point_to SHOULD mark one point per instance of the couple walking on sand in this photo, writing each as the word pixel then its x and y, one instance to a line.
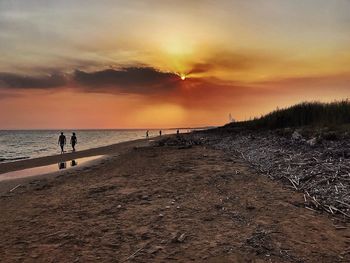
pixel 62 141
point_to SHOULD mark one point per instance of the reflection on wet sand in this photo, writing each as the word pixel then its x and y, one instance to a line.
pixel 62 165
pixel 45 169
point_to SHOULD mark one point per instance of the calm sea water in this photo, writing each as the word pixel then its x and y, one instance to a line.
pixel 17 145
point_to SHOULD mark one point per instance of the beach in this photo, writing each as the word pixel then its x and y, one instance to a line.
pixel 106 151
pixel 148 203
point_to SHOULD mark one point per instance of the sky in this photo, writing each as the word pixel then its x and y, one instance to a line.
pixel 161 63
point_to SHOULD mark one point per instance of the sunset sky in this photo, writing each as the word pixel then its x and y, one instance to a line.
pixel 163 63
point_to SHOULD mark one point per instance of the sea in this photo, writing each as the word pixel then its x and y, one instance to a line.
pixel 26 144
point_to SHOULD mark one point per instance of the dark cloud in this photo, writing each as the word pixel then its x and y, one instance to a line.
pixel 15 81
pixel 233 61
pixel 136 80
pixel 127 80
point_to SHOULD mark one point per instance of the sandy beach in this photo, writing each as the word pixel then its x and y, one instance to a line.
pixel 106 152
pixel 163 204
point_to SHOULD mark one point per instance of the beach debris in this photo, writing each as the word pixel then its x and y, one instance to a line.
pixel 318 168
pixel 178 237
pixel 182 142
pixel 14 188
pixel 133 255
pixel 181 238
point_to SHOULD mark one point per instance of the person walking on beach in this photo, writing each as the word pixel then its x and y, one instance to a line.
pixel 147 134
pixel 160 133
pixel 62 142
pixel 73 141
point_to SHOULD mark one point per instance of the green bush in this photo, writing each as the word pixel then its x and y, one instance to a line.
pixel 303 114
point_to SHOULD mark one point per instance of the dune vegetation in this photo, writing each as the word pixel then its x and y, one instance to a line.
pixel 315 114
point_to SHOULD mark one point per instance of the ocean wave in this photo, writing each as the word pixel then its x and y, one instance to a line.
pixel 13 159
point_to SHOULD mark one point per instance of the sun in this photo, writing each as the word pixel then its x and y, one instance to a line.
pixel 182 76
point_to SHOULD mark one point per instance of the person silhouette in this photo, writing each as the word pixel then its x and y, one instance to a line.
pixel 147 134
pixel 73 141
pixel 160 133
pixel 62 142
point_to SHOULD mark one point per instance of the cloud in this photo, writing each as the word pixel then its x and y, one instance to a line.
pixel 328 80
pixel 234 61
pixel 130 80
pixel 144 80
pixel 320 84
pixel 15 81
pixel 205 94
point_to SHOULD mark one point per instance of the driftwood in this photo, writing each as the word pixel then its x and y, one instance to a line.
pixel 14 188
pixel 135 253
pixel 321 171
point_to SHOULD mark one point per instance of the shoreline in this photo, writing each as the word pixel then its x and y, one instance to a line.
pixel 41 143
pixel 52 159
pixel 106 152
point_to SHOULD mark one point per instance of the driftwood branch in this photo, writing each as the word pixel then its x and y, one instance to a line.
pixel 14 188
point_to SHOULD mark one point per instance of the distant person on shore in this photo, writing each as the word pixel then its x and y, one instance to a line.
pixel 62 142
pixel 147 134
pixel 73 141
pixel 160 133
pixel 177 132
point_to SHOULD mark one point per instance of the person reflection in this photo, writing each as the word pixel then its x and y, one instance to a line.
pixel 73 163
pixel 62 165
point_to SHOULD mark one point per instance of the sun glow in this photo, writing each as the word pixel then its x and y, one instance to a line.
pixel 183 77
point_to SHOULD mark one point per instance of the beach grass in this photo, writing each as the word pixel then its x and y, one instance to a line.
pixel 315 114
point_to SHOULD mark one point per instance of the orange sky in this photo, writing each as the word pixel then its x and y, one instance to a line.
pixel 118 64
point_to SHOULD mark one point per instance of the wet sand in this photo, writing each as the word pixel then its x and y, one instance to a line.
pixel 107 151
pixel 165 204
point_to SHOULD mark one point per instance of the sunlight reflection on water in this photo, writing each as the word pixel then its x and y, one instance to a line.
pixel 46 169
